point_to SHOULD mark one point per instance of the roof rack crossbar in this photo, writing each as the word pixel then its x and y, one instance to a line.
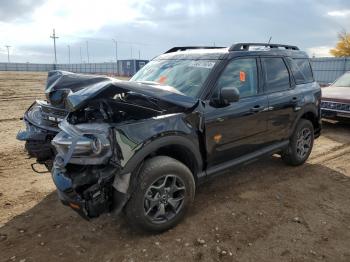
pixel 245 46
pixel 183 48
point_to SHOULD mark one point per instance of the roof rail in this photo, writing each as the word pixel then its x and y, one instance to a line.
pixel 183 48
pixel 245 46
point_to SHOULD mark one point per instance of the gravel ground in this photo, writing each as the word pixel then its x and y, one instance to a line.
pixel 264 211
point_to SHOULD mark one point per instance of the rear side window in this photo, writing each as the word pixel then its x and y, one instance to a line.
pixel 298 75
pixel 276 74
pixel 305 68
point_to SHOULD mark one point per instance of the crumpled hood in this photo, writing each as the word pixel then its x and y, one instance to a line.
pixel 76 90
pixel 336 93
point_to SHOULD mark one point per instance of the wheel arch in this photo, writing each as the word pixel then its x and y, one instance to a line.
pixel 309 113
pixel 179 147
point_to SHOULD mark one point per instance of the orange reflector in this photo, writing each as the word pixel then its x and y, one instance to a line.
pixel 217 138
pixel 242 76
pixel 75 206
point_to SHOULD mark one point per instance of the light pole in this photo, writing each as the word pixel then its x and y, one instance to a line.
pixel 68 54
pixel 116 50
pixel 81 57
pixel 87 52
pixel 8 53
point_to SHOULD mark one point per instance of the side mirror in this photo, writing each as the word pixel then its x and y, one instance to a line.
pixel 229 95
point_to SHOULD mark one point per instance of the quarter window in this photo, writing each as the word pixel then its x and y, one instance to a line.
pixel 305 68
pixel 276 74
pixel 242 74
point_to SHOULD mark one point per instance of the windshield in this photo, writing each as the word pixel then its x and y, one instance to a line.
pixel 186 76
pixel 344 80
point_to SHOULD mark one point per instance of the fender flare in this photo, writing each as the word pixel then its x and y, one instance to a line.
pixel 306 109
pixel 158 143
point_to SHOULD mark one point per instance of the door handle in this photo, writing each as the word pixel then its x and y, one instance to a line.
pixel 257 108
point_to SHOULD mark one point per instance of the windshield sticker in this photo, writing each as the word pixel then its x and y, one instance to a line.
pixel 242 76
pixel 202 64
pixel 162 80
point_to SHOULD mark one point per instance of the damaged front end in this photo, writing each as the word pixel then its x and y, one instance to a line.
pixel 106 123
pixel 92 166
pixel 41 122
pixel 82 171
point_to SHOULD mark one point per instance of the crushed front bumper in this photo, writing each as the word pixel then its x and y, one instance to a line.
pixel 88 192
pixel 67 195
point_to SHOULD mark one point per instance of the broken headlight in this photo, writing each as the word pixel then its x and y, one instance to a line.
pixel 34 114
pixel 83 144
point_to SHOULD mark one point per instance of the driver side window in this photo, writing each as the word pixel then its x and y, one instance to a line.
pixel 242 74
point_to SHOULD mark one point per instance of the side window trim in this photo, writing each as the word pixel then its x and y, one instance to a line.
pixel 258 80
pixel 264 74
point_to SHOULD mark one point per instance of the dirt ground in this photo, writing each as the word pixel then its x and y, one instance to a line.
pixel 264 211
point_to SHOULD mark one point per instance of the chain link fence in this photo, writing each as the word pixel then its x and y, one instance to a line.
pixel 326 69
pixel 123 68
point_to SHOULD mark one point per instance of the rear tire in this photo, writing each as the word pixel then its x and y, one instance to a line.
pixel 301 143
pixel 164 190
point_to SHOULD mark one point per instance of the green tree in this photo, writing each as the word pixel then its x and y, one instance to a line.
pixel 343 46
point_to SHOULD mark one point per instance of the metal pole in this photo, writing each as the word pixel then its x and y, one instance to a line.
pixel 87 51
pixel 54 37
pixel 131 51
pixel 8 53
pixel 81 57
pixel 139 55
pixel 116 50
pixel 68 54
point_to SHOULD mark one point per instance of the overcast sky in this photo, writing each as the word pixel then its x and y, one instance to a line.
pixel 153 26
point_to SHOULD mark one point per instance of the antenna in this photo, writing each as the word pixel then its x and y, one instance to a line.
pixel 54 37
pixel 269 40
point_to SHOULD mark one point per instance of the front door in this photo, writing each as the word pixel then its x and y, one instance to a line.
pixel 238 128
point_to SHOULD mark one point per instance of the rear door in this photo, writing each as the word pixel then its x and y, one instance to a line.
pixel 283 98
pixel 238 128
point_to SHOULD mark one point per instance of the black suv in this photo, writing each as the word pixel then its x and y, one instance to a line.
pixel 143 145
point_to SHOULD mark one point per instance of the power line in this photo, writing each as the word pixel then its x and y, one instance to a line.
pixel 54 37
pixel 8 52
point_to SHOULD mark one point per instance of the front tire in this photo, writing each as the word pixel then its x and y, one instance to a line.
pixel 164 190
pixel 300 145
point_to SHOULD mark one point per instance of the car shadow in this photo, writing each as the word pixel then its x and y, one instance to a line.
pixel 254 199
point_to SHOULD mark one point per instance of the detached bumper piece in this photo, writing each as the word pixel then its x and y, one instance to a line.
pixel 87 190
pixel 38 143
